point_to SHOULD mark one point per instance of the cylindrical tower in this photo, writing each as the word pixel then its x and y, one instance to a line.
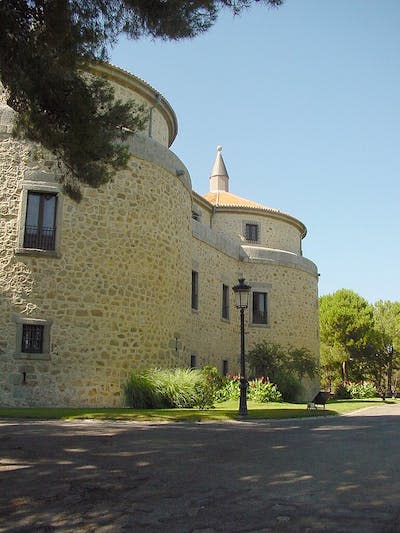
pixel 91 290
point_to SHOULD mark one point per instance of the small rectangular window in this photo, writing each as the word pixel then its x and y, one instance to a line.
pixel 195 289
pixel 259 308
pixel 224 367
pixel 32 338
pixel 225 302
pixel 40 221
pixel 196 215
pixel 193 361
pixel 251 232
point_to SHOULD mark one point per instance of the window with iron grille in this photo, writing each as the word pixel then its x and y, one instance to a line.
pixel 32 338
pixel 40 221
pixel 195 289
pixel 251 232
pixel 225 302
pixel 259 315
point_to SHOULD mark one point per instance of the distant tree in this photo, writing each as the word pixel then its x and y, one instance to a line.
pixel 46 45
pixel 347 327
pixel 387 326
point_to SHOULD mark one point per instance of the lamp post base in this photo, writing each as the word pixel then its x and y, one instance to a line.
pixel 243 397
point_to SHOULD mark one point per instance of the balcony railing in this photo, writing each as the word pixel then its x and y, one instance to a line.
pixel 40 238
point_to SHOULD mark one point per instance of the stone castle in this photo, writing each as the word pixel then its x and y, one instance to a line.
pixel 140 273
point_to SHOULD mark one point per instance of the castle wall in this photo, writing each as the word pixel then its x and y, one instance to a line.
pixel 273 232
pixel 291 284
pixel 109 294
pixel 115 294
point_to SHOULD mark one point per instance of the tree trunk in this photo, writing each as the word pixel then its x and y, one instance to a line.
pixel 345 371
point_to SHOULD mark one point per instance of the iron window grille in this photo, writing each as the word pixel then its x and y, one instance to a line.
pixel 251 232
pixel 32 338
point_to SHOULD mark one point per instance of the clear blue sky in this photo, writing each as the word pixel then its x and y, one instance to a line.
pixel 305 101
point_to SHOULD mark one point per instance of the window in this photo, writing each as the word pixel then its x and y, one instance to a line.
pixel 192 361
pixel 32 338
pixel 259 308
pixel 251 232
pixel 196 216
pixel 40 221
pixel 195 289
pixel 224 367
pixel 225 302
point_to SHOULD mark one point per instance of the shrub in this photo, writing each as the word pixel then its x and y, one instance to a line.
pixel 155 388
pixel 342 392
pixel 259 390
pixel 289 385
pixel 229 391
pixel 284 367
pixel 362 390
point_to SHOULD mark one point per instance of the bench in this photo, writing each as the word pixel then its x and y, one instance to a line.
pixel 320 399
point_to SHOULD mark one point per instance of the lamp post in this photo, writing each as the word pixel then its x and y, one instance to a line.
pixel 242 292
pixel 390 351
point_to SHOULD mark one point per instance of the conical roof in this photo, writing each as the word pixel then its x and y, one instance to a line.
pixel 219 178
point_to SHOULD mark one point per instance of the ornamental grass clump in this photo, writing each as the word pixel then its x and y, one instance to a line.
pixel 178 387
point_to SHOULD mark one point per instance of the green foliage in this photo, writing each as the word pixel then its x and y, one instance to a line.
pixel 141 392
pixel 357 391
pixel 157 389
pixel 286 368
pixel 229 391
pixel 342 392
pixel 355 337
pixel 44 48
pixel 363 390
pixel 289 385
pixel 259 390
pixel 346 321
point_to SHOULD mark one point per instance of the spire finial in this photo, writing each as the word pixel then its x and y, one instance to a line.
pixel 219 179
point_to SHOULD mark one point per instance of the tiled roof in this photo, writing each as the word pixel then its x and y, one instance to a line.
pixel 227 199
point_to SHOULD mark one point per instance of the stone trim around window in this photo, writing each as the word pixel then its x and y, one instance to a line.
pixel 45 353
pixel 40 188
pixel 246 223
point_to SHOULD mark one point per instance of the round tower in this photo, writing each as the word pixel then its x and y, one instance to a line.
pixel 90 291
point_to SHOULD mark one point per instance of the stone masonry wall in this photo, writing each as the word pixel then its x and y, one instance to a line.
pixel 292 304
pixel 109 295
pixel 274 233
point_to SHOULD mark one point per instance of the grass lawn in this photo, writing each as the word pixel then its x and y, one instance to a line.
pixel 223 411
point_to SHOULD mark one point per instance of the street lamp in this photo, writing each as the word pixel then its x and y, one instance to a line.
pixel 390 351
pixel 242 292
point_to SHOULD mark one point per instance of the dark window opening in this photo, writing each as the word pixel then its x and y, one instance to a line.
pixel 259 307
pixel 224 367
pixel 225 301
pixel 195 289
pixel 32 338
pixel 40 222
pixel 196 215
pixel 251 232
pixel 192 361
